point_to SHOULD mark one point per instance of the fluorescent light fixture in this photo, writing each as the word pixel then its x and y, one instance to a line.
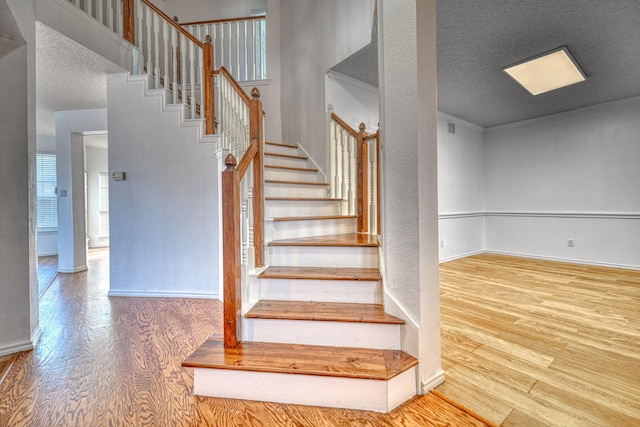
pixel 549 71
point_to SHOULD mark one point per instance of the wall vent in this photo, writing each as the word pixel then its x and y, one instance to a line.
pixel 452 128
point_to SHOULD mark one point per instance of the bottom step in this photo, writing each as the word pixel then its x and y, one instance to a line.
pixel 338 377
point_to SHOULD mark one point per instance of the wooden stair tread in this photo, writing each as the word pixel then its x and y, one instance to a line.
pixel 307 218
pixel 289 168
pixel 348 239
pixel 322 311
pixel 302 199
pixel 289 156
pixel 321 273
pixel 345 362
pixel 279 144
pixel 277 181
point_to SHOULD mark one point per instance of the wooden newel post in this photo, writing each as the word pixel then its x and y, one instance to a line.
pixel 231 254
pixel 257 133
pixel 209 104
pixel 362 156
pixel 128 21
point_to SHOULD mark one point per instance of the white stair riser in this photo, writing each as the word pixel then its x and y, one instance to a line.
pixel 315 390
pixel 285 161
pixel 340 334
pixel 313 227
pixel 293 190
pixel 290 175
pixel 352 291
pixel 279 149
pixel 323 256
pixel 289 208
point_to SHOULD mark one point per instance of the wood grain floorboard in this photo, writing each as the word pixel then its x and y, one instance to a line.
pixel 47 271
pixel 117 362
pixel 531 342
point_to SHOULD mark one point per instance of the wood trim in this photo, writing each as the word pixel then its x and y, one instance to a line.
pixel 173 23
pixel 247 159
pixel 231 254
pixel 256 132
pixel 219 21
pixel 209 99
pixel 128 22
pixel 235 84
pixel 344 125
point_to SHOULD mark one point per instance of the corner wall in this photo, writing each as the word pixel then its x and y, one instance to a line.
pixel 569 176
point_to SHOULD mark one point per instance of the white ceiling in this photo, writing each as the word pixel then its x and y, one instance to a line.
pixel 68 77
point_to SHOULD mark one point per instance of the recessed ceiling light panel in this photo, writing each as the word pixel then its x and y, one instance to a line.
pixel 549 71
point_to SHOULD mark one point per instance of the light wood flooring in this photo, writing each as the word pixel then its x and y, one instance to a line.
pixel 47 271
pixel 540 343
pixel 117 362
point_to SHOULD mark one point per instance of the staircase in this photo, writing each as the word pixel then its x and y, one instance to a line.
pixel 318 335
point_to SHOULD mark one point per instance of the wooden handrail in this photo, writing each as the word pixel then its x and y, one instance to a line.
pixel 166 17
pixel 344 125
pixel 231 222
pixel 235 84
pixel 219 21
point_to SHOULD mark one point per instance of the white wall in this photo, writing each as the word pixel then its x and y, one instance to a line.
pixel 19 328
pixel 70 168
pixel 460 188
pixel 315 35
pixel 569 176
pixel 206 10
pixel 354 101
pixel 96 161
pixel 163 217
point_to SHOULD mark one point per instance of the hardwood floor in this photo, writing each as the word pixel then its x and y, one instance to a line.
pixel 47 271
pixel 540 343
pixel 117 362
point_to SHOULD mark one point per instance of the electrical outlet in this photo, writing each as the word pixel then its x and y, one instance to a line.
pixel 442 243
pixel 570 243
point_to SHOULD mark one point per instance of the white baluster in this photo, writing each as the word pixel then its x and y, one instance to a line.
pixel 192 78
pixel 119 18
pixel 222 61
pixel 343 161
pixel 245 68
pixel 166 34
pixel 336 159
pixel 88 4
pixel 149 22
pixel 110 13
pixel 237 50
pixel 174 64
pixel 229 36
pixel 76 3
pixel 183 67
pixel 100 14
pixel 139 39
pixel 254 63
pixel 156 49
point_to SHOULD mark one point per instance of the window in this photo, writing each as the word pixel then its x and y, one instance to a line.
pixel 103 204
pixel 46 189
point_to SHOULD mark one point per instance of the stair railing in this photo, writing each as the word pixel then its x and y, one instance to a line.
pixel 355 172
pixel 240 44
pixel 242 218
pixel 107 12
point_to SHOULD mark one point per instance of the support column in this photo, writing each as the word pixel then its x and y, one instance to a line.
pixel 407 70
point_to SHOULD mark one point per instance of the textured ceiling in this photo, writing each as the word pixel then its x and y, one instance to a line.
pixel 476 38
pixel 68 77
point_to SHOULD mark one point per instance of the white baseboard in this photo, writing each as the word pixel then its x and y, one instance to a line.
pixel 570 260
pixel 464 255
pixel 156 294
pixel 16 347
pixel 47 254
pixel 433 382
pixel 73 270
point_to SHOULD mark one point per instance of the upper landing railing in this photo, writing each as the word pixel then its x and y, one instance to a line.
pixel 182 62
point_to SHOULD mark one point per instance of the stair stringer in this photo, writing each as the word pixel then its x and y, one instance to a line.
pixel 183 121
